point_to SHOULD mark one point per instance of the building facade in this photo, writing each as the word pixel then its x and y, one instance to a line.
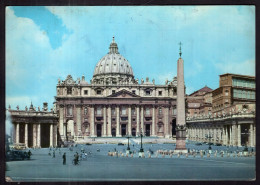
pixel 115 103
pixel 232 119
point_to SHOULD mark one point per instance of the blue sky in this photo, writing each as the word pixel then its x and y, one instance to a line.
pixel 47 43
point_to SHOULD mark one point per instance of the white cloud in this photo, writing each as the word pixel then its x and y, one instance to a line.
pixel 245 68
pixel 162 78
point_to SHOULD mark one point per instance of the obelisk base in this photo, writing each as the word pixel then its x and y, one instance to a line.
pixel 181 139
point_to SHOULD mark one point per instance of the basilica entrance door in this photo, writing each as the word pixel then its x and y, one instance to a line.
pixel 123 129
pixel 99 129
pixel 147 129
pixel 174 127
pixel 133 132
pixel 113 132
pixel 45 135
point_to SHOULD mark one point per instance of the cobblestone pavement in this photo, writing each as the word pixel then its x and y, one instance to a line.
pixel 98 166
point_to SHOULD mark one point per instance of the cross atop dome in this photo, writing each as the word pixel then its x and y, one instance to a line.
pixel 113 47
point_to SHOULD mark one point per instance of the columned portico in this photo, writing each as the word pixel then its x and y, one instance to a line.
pixel 38 135
pixel 153 122
pixel 142 118
pixel 92 121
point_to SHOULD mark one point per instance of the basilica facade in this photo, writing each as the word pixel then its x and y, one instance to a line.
pixel 115 103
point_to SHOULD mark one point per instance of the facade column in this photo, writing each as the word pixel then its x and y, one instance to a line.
pixel 39 135
pixel 166 122
pixel 129 121
pixel 78 112
pixel 238 135
pixel 137 120
pixel 26 135
pixel 142 119
pixel 105 121
pixel 92 122
pixel 153 122
pixel 109 122
pixel 51 135
pixel 17 135
pixel 34 135
pixel 117 122
pixel 61 120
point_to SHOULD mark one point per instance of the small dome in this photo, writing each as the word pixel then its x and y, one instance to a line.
pixel 113 64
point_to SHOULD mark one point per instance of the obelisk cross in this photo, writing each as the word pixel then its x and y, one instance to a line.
pixel 180 49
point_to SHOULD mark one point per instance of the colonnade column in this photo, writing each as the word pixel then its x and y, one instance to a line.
pixel 142 118
pixel 129 120
pixel 105 121
pixel 117 123
pixel 51 135
pixel 215 135
pixel 92 121
pixel 234 135
pixel 109 122
pixel 153 122
pixel 254 138
pixel 251 135
pixel 166 122
pixel 230 136
pixel 61 120
pixel 39 135
pixel 26 134
pixel 78 109
pixel 238 135
pixel 137 120
pixel 55 135
pixel 17 136
pixel 34 135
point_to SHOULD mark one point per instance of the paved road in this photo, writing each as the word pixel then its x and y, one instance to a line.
pixel 100 167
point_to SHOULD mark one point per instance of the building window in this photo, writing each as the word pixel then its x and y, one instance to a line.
pixel 113 111
pixel 85 92
pixel 99 111
pixel 133 119
pixel 147 92
pixel 113 91
pixel 160 93
pixel 174 111
pixel 147 111
pixel 123 111
pixel 85 111
pixel 69 90
pixel 99 92
pixel 160 110
pixel 226 92
pixel 69 110
pixel 133 91
pixel 133 111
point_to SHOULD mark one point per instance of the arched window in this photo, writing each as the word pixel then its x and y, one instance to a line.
pixel 99 111
pixel 69 110
pixel 147 111
pixel 160 111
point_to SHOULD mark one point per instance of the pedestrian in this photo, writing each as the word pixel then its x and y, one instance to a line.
pixel 64 158
pixel 53 156
pixel 29 154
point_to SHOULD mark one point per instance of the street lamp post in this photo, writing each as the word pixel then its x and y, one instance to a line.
pixel 141 151
pixel 128 147
pixel 209 137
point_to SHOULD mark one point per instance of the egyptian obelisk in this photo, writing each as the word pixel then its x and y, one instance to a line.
pixel 180 121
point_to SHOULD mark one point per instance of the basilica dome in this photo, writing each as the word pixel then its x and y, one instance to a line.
pixel 113 67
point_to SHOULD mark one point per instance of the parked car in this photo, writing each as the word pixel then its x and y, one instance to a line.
pixel 18 146
pixel 16 155
pixel 198 144
pixel 120 144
